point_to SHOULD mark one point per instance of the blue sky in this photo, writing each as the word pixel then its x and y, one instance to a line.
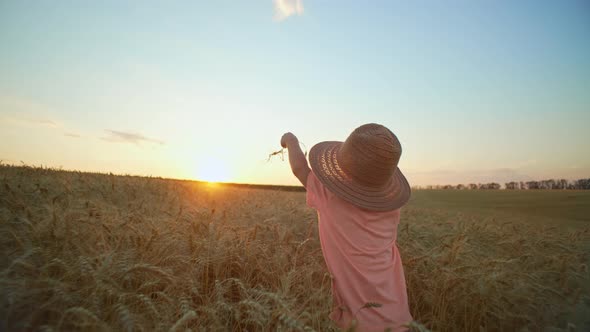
pixel 475 90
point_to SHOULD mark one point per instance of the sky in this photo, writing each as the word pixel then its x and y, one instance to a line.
pixel 476 91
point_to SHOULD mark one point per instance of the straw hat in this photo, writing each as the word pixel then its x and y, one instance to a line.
pixel 363 169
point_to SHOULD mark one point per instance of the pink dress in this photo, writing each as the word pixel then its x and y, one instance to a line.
pixel 361 254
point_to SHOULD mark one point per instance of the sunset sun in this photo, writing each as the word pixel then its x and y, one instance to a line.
pixel 212 169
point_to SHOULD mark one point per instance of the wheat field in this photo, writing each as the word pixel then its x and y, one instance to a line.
pixel 98 252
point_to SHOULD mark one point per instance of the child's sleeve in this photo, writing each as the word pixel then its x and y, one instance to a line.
pixel 313 188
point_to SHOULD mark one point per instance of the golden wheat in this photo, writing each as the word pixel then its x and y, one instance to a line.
pixel 86 251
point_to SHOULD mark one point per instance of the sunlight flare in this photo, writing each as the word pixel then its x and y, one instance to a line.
pixel 212 169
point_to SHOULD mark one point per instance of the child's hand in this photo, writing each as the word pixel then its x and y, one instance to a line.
pixel 288 138
pixel 296 157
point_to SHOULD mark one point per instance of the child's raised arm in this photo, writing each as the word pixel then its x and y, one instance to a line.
pixel 296 157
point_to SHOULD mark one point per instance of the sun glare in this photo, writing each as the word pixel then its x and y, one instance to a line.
pixel 212 170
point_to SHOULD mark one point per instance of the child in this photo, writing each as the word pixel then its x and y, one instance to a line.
pixel 358 191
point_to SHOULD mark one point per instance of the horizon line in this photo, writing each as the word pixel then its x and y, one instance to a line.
pixel 416 187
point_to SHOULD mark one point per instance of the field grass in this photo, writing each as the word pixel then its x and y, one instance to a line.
pixel 102 252
pixel 561 207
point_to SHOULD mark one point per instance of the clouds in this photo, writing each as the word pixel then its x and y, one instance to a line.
pixel 25 114
pixel 33 122
pixel 129 137
pixel 19 111
pixel 285 8
pixel 29 121
pixel 42 122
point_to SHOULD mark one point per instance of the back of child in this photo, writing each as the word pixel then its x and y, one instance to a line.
pixel 358 191
pixel 362 258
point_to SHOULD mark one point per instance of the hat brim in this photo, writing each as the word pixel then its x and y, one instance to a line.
pixel 323 158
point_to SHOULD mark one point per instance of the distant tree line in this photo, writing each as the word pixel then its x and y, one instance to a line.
pixel 562 184
pixel 583 184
